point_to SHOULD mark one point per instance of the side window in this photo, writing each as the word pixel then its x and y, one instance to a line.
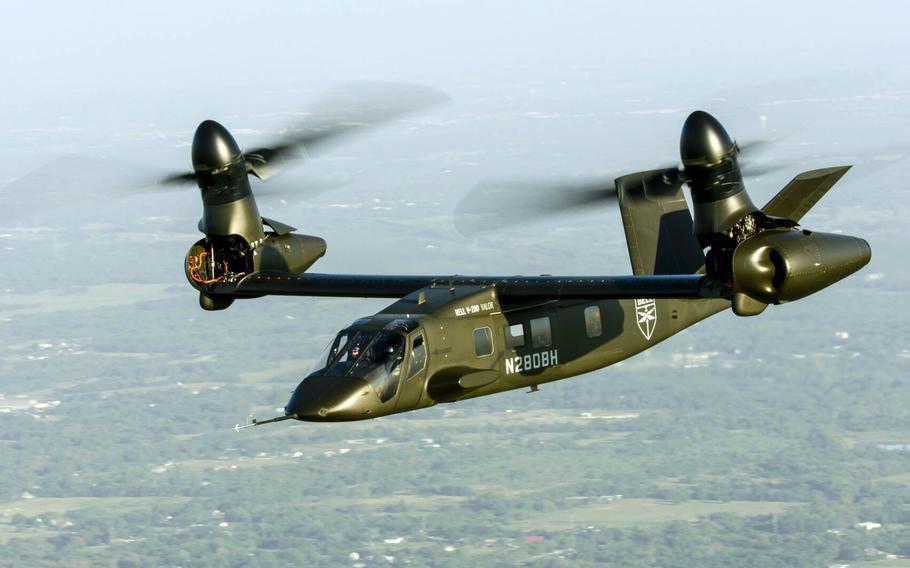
pixel 593 325
pixel 340 344
pixel 540 332
pixel 515 335
pixel 483 341
pixel 418 356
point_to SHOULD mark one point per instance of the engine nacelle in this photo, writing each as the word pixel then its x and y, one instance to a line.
pixel 782 265
pixel 216 259
pixel 236 242
pixel 287 253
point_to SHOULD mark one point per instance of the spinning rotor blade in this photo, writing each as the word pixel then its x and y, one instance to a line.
pixel 496 204
pixel 750 169
pixel 77 189
pixel 750 146
pixel 352 108
pixel 492 205
pixel 349 109
pixel 747 162
pixel 179 179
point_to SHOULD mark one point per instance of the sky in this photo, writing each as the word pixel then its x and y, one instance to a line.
pixel 537 88
pixel 63 59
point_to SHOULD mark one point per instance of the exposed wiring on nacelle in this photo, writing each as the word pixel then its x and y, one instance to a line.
pixel 195 267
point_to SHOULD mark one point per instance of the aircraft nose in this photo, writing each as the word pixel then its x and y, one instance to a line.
pixel 213 147
pixel 332 399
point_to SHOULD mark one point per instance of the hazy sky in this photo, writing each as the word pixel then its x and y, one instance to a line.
pixel 133 80
pixel 70 56
pixel 75 66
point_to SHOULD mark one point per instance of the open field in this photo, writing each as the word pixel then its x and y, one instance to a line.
pixel 642 512
pixel 63 505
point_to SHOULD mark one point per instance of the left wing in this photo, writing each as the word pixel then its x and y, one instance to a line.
pixel 508 287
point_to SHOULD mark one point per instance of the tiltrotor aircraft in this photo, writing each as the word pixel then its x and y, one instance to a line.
pixel 450 337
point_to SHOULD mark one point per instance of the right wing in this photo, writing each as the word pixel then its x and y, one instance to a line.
pixel 803 192
pixel 511 288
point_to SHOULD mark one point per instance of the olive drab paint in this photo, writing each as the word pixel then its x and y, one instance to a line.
pixel 451 338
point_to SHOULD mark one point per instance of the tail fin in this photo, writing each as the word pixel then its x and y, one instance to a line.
pixel 658 224
pixel 803 192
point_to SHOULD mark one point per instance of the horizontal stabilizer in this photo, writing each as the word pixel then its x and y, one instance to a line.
pixel 803 192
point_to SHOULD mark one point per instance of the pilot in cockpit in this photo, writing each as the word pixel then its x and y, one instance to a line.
pixel 394 354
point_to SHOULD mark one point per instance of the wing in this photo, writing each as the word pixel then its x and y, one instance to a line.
pixel 510 288
pixel 803 192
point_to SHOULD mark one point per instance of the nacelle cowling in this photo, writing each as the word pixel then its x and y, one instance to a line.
pixel 783 265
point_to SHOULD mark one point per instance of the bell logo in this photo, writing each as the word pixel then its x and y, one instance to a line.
pixel 646 315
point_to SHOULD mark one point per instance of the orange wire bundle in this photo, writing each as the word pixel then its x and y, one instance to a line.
pixel 196 263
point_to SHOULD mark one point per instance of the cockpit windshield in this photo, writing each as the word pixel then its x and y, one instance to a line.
pixel 374 356
pixel 380 364
pixel 330 352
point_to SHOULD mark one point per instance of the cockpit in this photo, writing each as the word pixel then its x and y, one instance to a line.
pixel 369 351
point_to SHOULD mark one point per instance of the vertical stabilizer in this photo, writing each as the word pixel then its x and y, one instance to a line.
pixel 658 224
